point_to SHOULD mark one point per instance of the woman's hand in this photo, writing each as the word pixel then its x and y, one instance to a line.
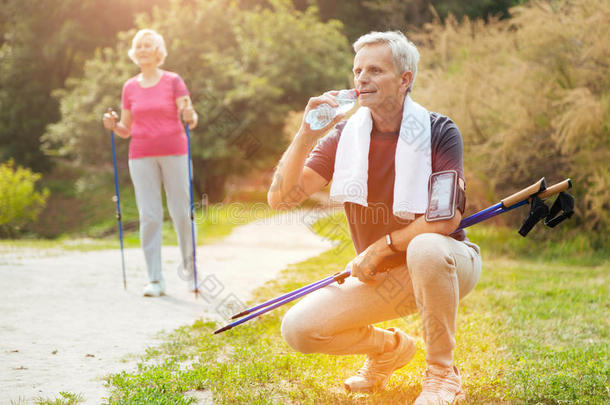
pixel 110 119
pixel 187 112
pixel 121 128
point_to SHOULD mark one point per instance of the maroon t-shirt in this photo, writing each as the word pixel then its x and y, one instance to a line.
pixel 368 224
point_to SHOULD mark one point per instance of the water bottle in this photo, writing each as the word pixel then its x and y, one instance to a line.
pixel 323 114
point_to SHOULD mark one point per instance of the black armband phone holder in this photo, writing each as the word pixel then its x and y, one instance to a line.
pixel 444 196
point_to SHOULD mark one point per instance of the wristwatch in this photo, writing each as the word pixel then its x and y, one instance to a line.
pixel 388 241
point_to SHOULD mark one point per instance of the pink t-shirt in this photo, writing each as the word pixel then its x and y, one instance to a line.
pixel 156 129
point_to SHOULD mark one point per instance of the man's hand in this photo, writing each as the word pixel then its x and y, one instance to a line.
pixel 326 98
pixel 365 264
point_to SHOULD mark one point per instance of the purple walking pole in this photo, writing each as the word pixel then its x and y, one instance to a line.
pixel 339 277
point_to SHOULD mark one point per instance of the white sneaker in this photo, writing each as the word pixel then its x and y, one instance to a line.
pixel 154 289
pixel 377 370
pixel 442 386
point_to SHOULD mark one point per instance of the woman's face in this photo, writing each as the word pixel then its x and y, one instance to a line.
pixel 146 52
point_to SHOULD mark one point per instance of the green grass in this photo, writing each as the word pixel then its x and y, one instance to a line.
pixel 65 398
pixel 566 245
pixel 533 331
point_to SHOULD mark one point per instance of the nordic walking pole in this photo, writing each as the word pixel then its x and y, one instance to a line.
pixel 188 139
pixel 514 201
pixel 283 297
pixel 510 201
pixel 339 277
pixel 117 199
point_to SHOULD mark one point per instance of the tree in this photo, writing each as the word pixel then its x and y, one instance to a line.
pixel 362 16
pixel 530 95
pixel 42 44
pixel 245 68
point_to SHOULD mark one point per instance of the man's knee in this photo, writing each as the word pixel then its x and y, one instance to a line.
pixel 428 254
pixel 299 334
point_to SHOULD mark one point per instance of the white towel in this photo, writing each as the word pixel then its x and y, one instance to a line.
pixel 413 163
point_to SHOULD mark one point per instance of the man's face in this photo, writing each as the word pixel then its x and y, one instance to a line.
pixel 381 88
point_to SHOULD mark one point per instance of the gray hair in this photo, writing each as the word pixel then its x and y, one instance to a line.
pixel 404 53
pixel 159 43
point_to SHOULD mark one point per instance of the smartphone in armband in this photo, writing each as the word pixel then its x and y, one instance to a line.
pixel 444 196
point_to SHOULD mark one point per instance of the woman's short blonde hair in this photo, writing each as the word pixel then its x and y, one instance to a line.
pixel 159 43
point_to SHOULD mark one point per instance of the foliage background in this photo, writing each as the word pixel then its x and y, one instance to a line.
pixel 530 95
pixel 241 67
pixel 20 203
pixel 526 82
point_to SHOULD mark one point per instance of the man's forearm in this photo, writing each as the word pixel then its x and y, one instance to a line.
pixel 286 190
pixel 402 237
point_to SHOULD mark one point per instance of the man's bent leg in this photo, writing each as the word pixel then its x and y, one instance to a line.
pixel 443 270
pixel 338 319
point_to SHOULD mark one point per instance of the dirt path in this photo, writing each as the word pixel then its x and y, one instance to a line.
pixel 66 321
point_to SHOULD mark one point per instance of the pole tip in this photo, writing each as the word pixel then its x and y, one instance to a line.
pixel 243 313
pixel 224 328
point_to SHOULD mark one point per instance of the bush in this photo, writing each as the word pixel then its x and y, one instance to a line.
pixel 245 69
pixel 20 202
pixel 530 95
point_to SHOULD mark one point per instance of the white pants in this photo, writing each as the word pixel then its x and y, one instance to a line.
pixel 147 175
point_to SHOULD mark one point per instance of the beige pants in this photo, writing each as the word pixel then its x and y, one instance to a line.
pixel 147 175
pixel 339 319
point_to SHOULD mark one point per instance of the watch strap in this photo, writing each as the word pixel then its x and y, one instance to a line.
pixel 388 241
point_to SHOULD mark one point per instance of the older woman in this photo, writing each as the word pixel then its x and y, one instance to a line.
pixel 152 103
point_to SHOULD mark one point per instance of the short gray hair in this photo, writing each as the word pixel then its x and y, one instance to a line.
pixel 404 53
pixel 159 42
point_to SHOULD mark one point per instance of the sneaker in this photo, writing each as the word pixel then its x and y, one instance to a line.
pixel 376 372
pixel 442 386
pixel 154 289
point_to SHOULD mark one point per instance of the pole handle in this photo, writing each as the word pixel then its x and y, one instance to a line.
pixel 524 194
pixel 556 188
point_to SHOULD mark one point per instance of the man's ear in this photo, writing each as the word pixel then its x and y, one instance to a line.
pixel 406 78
